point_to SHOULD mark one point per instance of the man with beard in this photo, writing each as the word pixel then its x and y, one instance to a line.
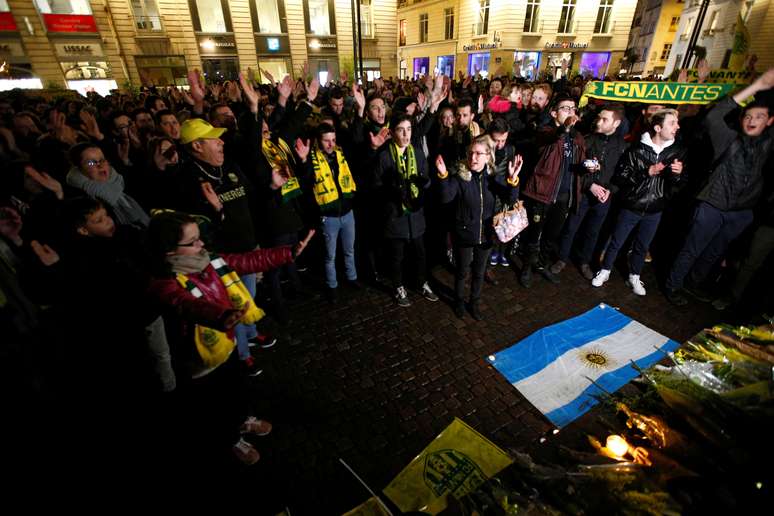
pixel 552 186
pixel 590 209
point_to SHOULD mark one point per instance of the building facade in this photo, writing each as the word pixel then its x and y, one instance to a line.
pixel 653 34
pixel 717 31
pixel 102 44
pixel 501 37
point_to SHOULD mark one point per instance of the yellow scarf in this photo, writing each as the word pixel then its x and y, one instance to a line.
pixel 280 157
pixel 215 346
pixel 325 192
pixel 407 169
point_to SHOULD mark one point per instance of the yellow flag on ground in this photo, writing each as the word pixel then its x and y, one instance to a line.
pixel 371 507
pixel 458 461
pixel 741 45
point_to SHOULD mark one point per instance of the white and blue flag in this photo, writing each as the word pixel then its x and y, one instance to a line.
pixel 556 368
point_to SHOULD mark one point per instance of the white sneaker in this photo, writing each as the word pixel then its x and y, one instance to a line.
pixel 638 287
pixel 601 278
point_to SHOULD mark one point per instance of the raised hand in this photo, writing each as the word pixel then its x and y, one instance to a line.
pixel 285 88
pixel 480 103
pixel 344 77
pixel 682 76
pixel 61 130
pixel 269 77
pixel 421 101
pixel 514 167
pixel 302 149
pixel 196 86
pixel 703 70
pixel 766 81
pixel 90 126
pixel 216 90
pixel 312 89
pixel 357 93
pixel 45 254
pixel 46 181
pixel 378 139
pixel 251 95
pixel 677 167
pixel 441 166
pixel 233 92
pixel 212 197
pixel 467 81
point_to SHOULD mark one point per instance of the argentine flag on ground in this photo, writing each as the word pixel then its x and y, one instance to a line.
pixel 554 367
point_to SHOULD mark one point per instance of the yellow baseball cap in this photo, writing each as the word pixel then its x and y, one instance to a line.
pixel 197 129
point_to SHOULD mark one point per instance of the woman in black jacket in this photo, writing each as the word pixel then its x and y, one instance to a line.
pixel 474 187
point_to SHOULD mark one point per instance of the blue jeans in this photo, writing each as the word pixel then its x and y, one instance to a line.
pixel 646 225
pixel 591 216
pixel 711 232
pixel 332 228
pixel 245 332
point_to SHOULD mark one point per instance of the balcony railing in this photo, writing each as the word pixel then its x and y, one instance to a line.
pixel 148 23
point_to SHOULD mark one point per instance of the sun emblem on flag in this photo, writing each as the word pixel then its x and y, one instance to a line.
pixel 595 359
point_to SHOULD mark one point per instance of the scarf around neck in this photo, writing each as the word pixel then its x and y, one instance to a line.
pixel 189 263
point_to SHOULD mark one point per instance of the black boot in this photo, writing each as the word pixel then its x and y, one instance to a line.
pixel 459 309
pixel 475 310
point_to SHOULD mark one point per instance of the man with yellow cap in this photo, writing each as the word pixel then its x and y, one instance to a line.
pixel 215 187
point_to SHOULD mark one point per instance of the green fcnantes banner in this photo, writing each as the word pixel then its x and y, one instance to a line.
pixel 656 92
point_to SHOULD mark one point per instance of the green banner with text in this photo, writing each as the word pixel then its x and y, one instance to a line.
pixel 656 92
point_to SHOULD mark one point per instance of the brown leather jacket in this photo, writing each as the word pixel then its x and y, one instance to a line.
pixel 543 184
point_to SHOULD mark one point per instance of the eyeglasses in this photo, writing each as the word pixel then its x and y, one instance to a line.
pixel 191 244
pixel 474 153
pixel 567 109
pixel 91 163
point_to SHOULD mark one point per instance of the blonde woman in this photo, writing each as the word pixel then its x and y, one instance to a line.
pixel 473 186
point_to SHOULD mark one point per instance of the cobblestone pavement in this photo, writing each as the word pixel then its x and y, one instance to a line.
pixel 372 383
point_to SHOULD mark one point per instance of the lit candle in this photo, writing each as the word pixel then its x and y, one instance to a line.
pixel 617 445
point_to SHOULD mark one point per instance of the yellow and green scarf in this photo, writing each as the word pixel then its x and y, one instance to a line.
pixel 280 156
pixel 407 169
pixel 215 346
pixel 325 192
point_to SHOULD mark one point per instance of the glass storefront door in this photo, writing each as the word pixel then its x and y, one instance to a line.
pixel 559 64
pixel 446 65
pixel 421 66
pixel 526 64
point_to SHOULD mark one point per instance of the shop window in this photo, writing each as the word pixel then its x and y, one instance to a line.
pixel 366 19
pixel 63 6
pixel 146 15
pixel 526 64
pixel 372 68
pixel 446 65
pixel 319 19
pixel 532 16
pixel 448 15
pixel 269 18
pixel 482 25
pixel 402 33
pixel 594 64
pixel 602 25
pixel 210 16
pixel 567 18
pixel 421 66
pixel 478 63
pixel 665 51
pixel 423 23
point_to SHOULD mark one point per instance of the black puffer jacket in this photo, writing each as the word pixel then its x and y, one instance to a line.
pixel 641 192
pixel 474 195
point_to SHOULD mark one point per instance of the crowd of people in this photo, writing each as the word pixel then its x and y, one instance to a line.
pixel 135 228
